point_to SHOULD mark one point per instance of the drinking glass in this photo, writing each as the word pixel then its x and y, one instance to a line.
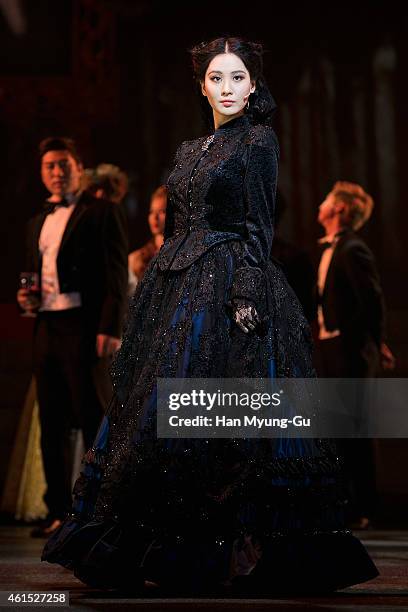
pixel 31 282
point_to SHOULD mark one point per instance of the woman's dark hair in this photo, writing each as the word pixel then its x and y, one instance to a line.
pixel 261 102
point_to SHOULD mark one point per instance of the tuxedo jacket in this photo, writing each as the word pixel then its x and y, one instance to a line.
pixel 352 298
pixel 92 260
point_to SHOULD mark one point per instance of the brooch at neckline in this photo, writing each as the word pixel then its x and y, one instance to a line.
pixel 207 142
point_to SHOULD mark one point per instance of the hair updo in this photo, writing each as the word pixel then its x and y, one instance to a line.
pixel 261 102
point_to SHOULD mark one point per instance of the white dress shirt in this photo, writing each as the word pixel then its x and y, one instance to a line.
pixel 324 264
pixel 51 235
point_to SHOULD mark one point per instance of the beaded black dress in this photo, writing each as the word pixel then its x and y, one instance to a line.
pixel 193 515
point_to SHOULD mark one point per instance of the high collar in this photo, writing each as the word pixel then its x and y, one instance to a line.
pixel 238 123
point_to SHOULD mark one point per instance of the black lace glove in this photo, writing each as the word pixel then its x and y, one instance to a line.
pixel 244 314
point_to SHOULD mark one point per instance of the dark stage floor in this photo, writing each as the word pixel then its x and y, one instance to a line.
pixel 21 570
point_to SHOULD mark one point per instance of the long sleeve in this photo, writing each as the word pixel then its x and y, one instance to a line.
pixel 259 197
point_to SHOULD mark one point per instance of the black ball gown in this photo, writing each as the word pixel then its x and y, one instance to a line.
pixel 194 515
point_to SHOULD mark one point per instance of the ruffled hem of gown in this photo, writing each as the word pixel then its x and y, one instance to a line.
pixel 102 555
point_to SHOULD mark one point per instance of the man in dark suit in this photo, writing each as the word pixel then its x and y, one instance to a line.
pixel 77 244
pixel 351 320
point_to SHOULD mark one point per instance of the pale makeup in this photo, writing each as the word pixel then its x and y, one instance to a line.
pixel 227 86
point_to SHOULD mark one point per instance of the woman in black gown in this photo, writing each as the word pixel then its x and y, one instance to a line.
pixel 191 515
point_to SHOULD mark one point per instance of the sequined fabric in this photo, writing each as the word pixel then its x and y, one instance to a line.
pixel 205 512
pixel 223 187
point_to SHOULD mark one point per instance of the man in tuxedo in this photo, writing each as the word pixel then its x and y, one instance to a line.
pixel 77 244
pixel 351 321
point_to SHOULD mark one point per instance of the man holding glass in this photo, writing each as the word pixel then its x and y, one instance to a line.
pixel 77 248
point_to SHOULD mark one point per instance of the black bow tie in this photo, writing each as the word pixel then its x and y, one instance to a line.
pixel 49 207
pixel 325 245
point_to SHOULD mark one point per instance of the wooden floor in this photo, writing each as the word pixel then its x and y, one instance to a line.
pixel 22 570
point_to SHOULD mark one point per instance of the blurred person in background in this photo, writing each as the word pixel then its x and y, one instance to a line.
pixel 140 259
pixel 106 181
pixel 351 322
pixel 109 182
pixel 78 247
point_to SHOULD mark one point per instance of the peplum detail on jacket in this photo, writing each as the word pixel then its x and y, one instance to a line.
pixel 185 248
pixel 227 194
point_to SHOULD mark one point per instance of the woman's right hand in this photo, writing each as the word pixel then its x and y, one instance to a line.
pixel 27 301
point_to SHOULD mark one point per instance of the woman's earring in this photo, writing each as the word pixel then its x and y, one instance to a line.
pixel 247 104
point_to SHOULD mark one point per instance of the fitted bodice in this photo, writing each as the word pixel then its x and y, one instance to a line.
pixel 221 188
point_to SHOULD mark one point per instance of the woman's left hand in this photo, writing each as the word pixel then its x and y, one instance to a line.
pixel 245 315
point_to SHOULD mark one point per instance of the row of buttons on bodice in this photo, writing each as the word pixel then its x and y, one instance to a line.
pixel 204 148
